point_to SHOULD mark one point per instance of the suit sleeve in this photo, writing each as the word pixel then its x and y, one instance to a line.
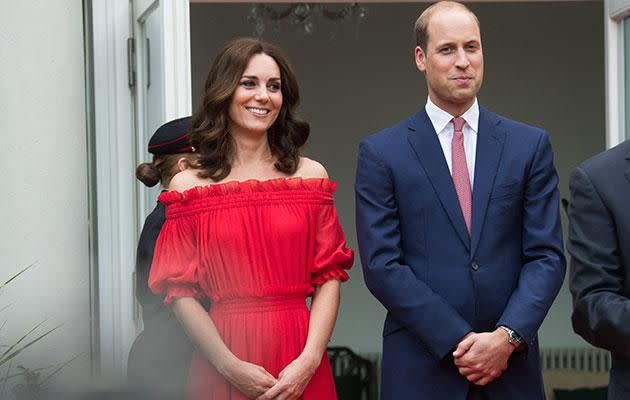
pixel 408 299
pixel 544 264
pixel 601 313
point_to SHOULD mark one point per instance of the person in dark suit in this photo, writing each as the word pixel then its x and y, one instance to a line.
pixel 160 356
pixel 458 224
pixel 599 245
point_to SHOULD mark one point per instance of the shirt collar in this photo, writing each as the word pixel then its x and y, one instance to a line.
pixel 440 118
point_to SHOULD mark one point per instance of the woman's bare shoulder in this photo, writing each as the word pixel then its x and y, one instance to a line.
pixel 310 169
pixel 187 179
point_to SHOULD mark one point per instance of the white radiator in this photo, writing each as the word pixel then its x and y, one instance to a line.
pixel 575 358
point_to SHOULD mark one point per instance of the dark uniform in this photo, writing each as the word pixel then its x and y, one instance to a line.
pixel 160 357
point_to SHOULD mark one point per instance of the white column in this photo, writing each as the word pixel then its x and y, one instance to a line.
pixel 615 11
pixel 115 188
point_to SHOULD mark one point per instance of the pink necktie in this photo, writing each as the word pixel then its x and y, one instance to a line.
pixel 461 178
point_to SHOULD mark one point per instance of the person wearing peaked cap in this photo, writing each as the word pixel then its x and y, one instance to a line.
pixel 160 356
pixel 172 138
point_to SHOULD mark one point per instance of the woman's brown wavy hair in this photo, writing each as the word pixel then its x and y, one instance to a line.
pixel 210 127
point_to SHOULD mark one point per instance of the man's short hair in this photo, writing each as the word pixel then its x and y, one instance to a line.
pixel 422 23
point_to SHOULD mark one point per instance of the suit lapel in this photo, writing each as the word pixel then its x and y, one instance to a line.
pixel 426 145
pixel 628 170
pixel 490 140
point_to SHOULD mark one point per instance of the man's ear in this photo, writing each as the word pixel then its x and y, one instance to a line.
pixel 183 164
pixel 420 59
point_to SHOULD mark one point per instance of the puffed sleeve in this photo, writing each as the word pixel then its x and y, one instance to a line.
pixel 174 269
pixel 332 256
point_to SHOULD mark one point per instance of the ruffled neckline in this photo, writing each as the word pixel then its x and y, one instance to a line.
pixel 250 186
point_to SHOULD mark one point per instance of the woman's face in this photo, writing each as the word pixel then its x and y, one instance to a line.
pixel 257 99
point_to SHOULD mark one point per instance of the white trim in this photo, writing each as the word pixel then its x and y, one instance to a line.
pixel 176 79
pixel 142 8
pixel 618 9
pixel 115 185
pixel 175 19
pixel 614 66
pixel 177 62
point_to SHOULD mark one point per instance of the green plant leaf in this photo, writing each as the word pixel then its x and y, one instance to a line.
pixel 18 374
pixel 59 368
pixel 8 355
pixel 3 389
pixel 20 341
pixel 16 275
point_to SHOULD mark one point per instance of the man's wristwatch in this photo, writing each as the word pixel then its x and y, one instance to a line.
pixel 512 337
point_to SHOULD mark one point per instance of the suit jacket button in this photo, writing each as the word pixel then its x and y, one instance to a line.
pixel 474 266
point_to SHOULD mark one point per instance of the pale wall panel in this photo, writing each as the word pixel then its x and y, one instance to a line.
pixel 43 212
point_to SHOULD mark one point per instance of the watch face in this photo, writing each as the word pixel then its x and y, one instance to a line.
pixel 514 338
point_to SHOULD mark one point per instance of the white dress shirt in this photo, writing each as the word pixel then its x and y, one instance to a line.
pixel 442 124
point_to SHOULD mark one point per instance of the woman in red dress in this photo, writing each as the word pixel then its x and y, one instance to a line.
pixel 255 230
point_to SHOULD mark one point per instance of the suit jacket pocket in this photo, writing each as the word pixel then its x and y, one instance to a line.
pixel 508 189
pixel 506 203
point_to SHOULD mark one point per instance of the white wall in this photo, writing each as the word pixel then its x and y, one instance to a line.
pixel 544 66
pixel 43 206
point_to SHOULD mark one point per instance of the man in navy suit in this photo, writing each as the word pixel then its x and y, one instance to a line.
pixel 599 244
pixel 459 231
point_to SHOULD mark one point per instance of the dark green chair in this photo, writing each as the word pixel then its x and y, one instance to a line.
pixel 354 375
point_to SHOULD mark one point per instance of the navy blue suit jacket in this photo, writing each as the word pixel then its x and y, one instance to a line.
pixel 436 281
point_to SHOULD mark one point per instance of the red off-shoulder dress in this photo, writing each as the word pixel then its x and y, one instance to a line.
pixel 257 249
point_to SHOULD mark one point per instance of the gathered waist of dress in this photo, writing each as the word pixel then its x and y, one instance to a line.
pixel 296 301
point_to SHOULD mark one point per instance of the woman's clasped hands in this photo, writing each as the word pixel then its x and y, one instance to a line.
pixel 258 384
pixel 250 379
pixel 293 379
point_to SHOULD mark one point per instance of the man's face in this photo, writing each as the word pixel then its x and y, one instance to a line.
pixel 453 61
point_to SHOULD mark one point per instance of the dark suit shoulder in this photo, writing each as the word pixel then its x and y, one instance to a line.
pixel 521 138
pixel 514 127
pixel 611 160
pixel 389 134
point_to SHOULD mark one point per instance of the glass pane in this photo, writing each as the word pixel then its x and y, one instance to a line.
pixel 626 29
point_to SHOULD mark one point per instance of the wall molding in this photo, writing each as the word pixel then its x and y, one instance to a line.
pixel 115 186
pixel 614 67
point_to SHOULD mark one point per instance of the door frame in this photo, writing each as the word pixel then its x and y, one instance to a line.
pixel 116 156
pixel 114 231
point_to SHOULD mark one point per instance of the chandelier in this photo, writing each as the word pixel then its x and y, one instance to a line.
pixel 302 15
